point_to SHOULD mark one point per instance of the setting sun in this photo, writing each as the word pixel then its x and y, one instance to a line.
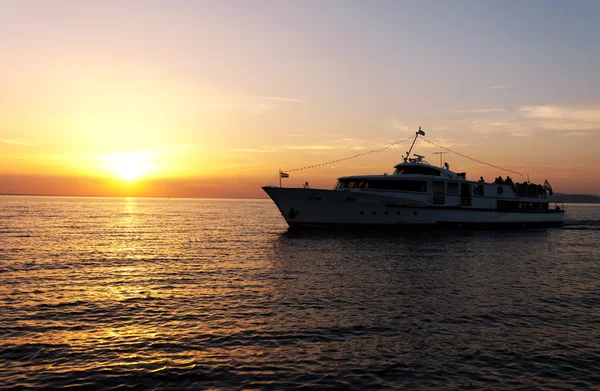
pixel 131 171
pixel 130 165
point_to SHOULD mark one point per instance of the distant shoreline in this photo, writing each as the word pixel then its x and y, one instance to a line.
pixel 576 198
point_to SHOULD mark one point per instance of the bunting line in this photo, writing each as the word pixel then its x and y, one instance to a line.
pixel 351 157
pixel 397 143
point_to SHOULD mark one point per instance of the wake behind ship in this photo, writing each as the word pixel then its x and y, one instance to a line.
pixel 417 195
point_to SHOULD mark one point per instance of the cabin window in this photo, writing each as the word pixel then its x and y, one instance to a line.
pixel 417 186
pixel 417 170
pixel 507 205
pixel 452 188
pixel 465 194
pixel 383 184
pixel 439 187
pixel 478 190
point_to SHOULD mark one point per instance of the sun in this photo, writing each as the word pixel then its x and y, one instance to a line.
pixel 131 171
pixel 130 166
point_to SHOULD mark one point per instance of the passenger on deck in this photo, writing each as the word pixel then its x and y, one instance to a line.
pixel 499 181
pixel 481 179
pixel 509 181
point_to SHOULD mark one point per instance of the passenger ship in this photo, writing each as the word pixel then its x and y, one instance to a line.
pixel 417 195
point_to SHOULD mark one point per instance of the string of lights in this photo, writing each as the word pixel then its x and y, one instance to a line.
pixel 350 157
pixel 390 146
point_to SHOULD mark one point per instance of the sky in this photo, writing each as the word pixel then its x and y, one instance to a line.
pixel 212 98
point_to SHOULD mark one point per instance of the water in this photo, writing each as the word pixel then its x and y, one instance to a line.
pixel 100 293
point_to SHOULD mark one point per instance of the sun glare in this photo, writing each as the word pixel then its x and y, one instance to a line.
pixel 131 171
pixel 130 165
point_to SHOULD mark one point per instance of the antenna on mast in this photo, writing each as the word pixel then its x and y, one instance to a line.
pixel 442 154
pixel 419 132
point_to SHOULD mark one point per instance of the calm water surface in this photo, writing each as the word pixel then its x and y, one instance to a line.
pixel 101 293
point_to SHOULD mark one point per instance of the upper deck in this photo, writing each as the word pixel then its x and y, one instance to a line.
pixel 416 169
pixel 440 186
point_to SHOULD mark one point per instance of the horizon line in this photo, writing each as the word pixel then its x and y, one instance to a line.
pixel 198 198
pixel 122 196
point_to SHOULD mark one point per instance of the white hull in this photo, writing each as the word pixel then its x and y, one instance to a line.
pixel 315 207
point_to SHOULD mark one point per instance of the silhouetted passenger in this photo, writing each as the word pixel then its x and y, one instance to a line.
pixel 481 179
pixel 499 181
pixel 509 181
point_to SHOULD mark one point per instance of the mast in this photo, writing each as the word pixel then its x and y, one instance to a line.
pixel 419 132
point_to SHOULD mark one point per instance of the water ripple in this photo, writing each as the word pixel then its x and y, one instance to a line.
pixel 197 294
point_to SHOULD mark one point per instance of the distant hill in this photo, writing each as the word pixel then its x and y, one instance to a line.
pixel 576 198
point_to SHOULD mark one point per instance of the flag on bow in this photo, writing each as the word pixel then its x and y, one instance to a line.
pixel 283 175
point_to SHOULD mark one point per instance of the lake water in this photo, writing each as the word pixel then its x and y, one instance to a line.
pixel 109 293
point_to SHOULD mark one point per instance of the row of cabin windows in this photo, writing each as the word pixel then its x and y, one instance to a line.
pixel 516 205
pixel 407 185
pixel 451 188
pixel 418 170
pixel 417 186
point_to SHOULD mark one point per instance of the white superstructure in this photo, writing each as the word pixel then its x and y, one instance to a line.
pixel 417 194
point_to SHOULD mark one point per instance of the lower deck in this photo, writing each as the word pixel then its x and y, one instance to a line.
pixel 314 207
pixel 438 225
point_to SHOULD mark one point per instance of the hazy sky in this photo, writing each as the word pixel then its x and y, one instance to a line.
pixel 198 98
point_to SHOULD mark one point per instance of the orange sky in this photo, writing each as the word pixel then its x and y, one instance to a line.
pixel 209 99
